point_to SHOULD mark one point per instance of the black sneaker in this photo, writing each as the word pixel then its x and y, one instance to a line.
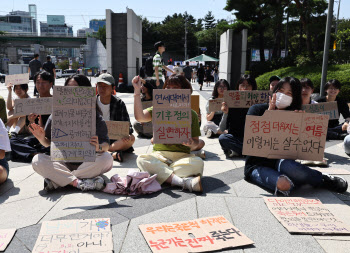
pixel 48 185
pixel 334 183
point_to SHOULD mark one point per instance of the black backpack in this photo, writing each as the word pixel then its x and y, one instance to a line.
pixel 149 66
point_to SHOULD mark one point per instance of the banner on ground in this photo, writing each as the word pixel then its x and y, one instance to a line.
pixel 171 116
pixel 245 99
pixel 215 104
pixel 73 124
pixel 305 216
pixel 286 135
pixel 17 79
pixel 327 108
pixel 26 106
pixel 200 235
pixel 6 236
pixel 83 236
pixel 118 130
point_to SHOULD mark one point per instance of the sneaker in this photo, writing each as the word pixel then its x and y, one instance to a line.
pixel 193 184
pixel 89 184
pixel 334 183
pixel 48 185
pixel 231 153
pixel 209 133
pixel 199 153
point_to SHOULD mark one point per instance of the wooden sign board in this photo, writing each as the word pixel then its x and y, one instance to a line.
pixel 118 130
pixel 305 216
pixel 200 235
pixel 73 124
pixel 84 236
pixel 26 106
pixel 215 104
pixel 6 236
pixel 16 79
pixel 286 135
pixel 195 103
pixel 171 116
pixel 245 99
pixel 327 108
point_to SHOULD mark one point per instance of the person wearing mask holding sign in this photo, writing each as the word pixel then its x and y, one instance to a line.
pixel 84 176
pixel 336 131
pixel 283 175
pixel 173 163
pixel 233 120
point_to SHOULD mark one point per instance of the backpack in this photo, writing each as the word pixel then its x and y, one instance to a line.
pixel 149 66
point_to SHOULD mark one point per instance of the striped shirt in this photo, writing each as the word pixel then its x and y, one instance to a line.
pixel 158 62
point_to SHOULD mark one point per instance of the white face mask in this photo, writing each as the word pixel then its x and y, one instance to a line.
pixel 282 100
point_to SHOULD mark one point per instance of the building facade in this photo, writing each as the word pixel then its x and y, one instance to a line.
pixel 96 24
pixel 20 22
pixel 56 26
pixel 84 32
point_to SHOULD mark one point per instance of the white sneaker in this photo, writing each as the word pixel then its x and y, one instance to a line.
pixel 231 153
pixel 193 184
pixel 199 153
pixel 209 133
pixel 89 184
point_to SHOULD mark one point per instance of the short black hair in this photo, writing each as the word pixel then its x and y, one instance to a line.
pixel 332 82
pixel 187 63
pixel 274 78
pixel 250 81
pixel 36 55
pixel 158 44
pixel 296 91
pixel 24 86
pixel 48 57
pixel 82 80
pixel 306 82
pixel 178 64
pixel 44 75
pixel 170 62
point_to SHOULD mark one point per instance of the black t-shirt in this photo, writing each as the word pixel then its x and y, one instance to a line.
pixel 200 72
pixel 343 109
pixel 236 121
pixel 252 162
pixel 49 66
pixel 188 72
pixel 34 66
pixel 208 72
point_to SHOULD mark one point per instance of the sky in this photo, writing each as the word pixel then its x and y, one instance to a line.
pixel 78 13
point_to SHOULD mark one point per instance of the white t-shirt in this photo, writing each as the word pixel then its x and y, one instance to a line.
pixel 105 110
pixel 168 73
pixel 4 138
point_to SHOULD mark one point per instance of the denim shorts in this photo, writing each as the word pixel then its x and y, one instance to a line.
pixel 4 163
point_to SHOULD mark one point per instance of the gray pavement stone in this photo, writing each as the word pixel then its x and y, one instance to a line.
pixel 247 190
pixel 119 234
pixel 335 246
pixel 254 219
pixel 16 246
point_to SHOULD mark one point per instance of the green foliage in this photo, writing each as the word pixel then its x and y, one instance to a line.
pixel 63 65
pixel 101 35
pixel 209 20
pixel 339 72
pixel 334 57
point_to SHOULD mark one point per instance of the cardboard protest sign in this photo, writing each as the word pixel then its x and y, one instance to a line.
pixel 215 104
pixel 171 116
pixel 305 216
pixel 286 135
pixel 245 99
pixel 26 106
pixel 195 103
pixel 16 79
pixel 83 236
pixel 118 130
pixel 147 126
pixel 200 235
pixel 327 108
pixel 6 236
pixel 73 124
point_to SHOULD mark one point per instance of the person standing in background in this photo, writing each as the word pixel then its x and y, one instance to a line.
pixel 188 71
pixel 34 67
pixel 50 67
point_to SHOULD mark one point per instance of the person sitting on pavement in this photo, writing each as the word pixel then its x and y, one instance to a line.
pixel 84 176
pixel 307 90
pixel 4 147
pixel 283 175
pixel 24 148
pixel 336 131
pixel 146 95
pixel 114 109
pixel 233 120
pixel 173 164
pixel 16 125
pixel 211 128
pixel 3 113
pixel 273 81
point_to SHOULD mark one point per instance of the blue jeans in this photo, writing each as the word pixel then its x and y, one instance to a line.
pixel 333 133
pixel 347 145
pixel 228 141
pixel 4 163
pixel 298 174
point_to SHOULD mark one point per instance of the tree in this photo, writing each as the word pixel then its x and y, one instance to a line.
pixel 101 35
pixel 63 65
pixel 209 20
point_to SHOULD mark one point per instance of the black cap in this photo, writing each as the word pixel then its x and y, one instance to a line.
pixel 158 44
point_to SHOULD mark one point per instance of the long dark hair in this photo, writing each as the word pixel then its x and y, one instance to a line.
pixel 150 88
pixel 296 91
pixel 215 93
pixel 80 79
pixel 250 81
pixel 178 80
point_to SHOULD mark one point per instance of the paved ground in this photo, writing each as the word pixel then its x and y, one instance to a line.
pixel 24 205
